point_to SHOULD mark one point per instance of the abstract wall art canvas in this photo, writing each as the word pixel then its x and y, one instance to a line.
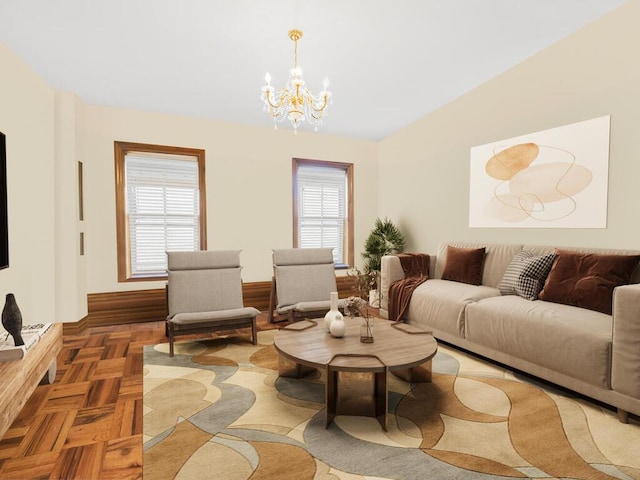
pixel 556 178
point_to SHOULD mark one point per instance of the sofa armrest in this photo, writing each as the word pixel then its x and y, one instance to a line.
pixel 625 355
pixel 390 271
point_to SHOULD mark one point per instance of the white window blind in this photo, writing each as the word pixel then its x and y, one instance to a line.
pixel 162 208
pixel 322 197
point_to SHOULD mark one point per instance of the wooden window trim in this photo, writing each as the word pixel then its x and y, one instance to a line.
pixel 348 168
pixel 121 149
pixel 80 191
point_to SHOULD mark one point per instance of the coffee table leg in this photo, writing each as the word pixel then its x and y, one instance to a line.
pixel 290 369
pixel 419 374
pixel 330 397
pixel 381 397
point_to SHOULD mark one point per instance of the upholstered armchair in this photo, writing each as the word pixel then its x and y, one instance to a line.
pixel 204 294
pixel 303 279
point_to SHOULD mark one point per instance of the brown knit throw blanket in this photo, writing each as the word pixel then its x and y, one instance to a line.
pixel 416 271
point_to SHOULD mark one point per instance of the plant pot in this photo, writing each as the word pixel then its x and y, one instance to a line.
pixel 374 298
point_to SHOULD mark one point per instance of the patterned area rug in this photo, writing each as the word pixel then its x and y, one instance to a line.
pixel 219 410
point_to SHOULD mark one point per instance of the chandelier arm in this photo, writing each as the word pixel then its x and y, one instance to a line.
pixel 324 104
pixel 282 96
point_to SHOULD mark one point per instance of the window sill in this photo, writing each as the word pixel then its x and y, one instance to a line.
pixel 145 278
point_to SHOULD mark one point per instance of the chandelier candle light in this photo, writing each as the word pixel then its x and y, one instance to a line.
pixel 295 101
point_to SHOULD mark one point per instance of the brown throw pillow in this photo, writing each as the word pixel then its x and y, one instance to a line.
pixel 464 265
pixel 587 279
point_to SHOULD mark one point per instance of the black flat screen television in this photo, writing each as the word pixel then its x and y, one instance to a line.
pixel 4 231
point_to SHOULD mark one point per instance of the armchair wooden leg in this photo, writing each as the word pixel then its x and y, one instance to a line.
pixel 272 299
pixel 254 332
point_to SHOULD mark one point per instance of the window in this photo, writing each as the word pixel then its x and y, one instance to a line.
pixel 160 206
pixel 323 207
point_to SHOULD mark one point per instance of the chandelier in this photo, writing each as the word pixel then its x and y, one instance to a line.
pixel 295 101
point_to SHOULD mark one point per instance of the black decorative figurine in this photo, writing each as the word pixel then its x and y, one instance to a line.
pixel 12 319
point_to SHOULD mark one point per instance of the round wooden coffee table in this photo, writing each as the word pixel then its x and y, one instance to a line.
pixel 398 347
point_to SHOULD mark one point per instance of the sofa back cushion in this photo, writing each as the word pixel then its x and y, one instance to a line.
pixel 497 258
pixel 587 279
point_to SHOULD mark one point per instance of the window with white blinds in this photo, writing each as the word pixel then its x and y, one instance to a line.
pixel 163 210
pixel 322 207
pixel 159 196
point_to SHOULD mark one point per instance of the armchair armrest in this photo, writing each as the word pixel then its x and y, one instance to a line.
pixel 625 364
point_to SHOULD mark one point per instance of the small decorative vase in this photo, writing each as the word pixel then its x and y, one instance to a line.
pixel 12 319
pixel 332 314
pixel 338 327
pixel 366 329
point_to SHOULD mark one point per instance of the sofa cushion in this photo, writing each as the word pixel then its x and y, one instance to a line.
pixel 563 338
pixel 464 265
pixel 526 274
pixel 220 317
pixel 440 304
pixel 587 279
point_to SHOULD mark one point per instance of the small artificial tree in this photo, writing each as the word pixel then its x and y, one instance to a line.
pixel 384 239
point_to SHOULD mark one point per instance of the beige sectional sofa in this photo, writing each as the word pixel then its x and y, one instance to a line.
pixel 593 353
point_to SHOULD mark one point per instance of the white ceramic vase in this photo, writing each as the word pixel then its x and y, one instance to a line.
pixel 338 327
pixel 332 314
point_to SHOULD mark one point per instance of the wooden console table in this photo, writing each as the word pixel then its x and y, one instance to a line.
pixel 18 379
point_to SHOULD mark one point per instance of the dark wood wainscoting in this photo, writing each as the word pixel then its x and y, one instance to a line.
pixel 138 306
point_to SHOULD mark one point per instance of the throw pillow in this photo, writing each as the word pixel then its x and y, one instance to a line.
pixel 464 265
pixel 526 274
pixel 587 279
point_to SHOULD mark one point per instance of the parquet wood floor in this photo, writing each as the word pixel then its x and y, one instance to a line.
pixel 88 423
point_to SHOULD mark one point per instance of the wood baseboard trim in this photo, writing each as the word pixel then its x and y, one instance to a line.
pixel 75 328
pixel 139 306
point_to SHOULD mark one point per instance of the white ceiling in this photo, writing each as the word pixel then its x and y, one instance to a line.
pixel 389 62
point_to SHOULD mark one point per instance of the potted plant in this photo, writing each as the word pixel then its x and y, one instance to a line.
pixel 363 282
pixel 385 238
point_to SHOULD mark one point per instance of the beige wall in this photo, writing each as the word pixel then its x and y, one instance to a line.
pixel 70 283
pixel 27 119
pixel 424 169
pixel 249 190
